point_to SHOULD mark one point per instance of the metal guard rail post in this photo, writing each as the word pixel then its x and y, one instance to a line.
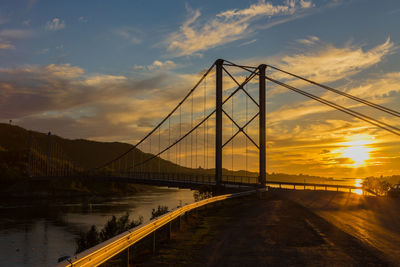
pixel 112 247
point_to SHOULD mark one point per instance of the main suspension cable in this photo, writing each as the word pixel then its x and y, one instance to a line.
pixel 162 121
pixel 366 102
pixel 353 113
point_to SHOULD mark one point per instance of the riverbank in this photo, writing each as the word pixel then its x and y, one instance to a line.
pixel 260 232
pixel 36 232
pixel 66 188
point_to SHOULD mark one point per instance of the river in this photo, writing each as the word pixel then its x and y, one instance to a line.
pixel 39 232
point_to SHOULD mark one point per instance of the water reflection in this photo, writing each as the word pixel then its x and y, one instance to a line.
pixel 36 234
pixel 358 183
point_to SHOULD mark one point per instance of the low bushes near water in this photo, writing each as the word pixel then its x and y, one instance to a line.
pixel 203 192
pixel 161 210
pixel 197 195
pixel 112 228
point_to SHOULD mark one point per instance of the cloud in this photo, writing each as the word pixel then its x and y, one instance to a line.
pixel 129 33
pixel 63 71
pixel 306 4
pixel 43 51
pixel 157 65
pixel 320 65
pixel 96 106
pixel 248 42
pixel 326 63
pixel 101 80
pixel 6 46
pixel 380 88
pixel 83 19
pixel 55 24
pixel 227 26
pixel 261 8
pixel 3 20
pixel 30 4
pixel 311 40
pixel 15 34
pixel 8 36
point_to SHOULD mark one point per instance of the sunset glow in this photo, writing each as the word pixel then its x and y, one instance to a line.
pixel 357 150
pixel 81 76
pixel 117 118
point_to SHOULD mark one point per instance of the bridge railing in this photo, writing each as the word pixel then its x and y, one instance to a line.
pixel 104 251
pixel 189 178
pixel 240 180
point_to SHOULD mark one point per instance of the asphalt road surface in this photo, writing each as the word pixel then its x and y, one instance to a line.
pixel 373 220
pixel 273 231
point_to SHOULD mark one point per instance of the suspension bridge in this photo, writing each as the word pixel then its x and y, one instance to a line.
pixel 210 137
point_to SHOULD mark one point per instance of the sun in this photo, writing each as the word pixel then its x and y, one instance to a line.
pixel 358 154
pixel 357 149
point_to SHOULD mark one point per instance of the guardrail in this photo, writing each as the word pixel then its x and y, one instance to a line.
pixel 315 186
pixel 112 247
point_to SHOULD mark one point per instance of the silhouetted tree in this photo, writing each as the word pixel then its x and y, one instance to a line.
pixel 377 185
pixel 112 228
pixel 158 212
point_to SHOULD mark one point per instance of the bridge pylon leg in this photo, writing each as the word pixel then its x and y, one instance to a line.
pixel 262 140
pixel 218 122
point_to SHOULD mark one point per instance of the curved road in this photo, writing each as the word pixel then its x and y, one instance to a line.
pixel 272 231
pixel 373 220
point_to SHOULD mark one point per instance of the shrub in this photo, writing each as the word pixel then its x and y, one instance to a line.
pixel 88 239
pixel 112 228
pixel 159 211
pixel 377 185
pixel 198 195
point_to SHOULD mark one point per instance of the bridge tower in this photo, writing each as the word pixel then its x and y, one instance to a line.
pixel 218 122
pixel 262 115
pixel 218 127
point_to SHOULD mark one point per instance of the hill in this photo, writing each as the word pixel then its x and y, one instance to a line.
pixel 90 154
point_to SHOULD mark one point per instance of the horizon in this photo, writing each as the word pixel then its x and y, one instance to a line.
pixel 82 72
pixel 350 180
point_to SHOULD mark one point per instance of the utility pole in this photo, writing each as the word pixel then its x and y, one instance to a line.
pixel 218 122
pixel 262 140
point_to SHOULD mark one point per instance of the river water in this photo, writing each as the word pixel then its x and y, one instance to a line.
pixel 39 232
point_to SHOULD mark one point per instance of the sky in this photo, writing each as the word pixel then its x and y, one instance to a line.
pixel 110 70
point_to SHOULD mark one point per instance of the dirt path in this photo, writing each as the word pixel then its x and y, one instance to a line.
pixel 254 232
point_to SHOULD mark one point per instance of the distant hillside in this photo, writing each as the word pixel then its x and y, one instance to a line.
pixel 88 153
pixel 14 147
